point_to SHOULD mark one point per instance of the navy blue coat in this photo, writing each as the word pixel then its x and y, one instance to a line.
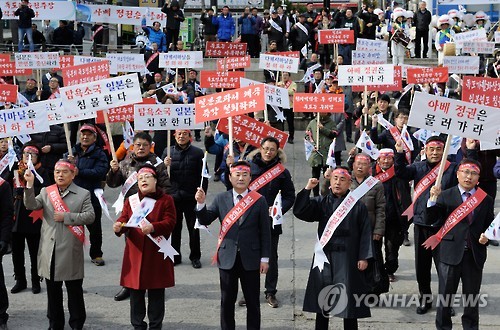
pixel 92 167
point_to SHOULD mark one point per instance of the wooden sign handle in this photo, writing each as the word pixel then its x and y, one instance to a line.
pixel 68 141
pixel 442 164
pixel 110 137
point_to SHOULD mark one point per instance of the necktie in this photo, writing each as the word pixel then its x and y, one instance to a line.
pixel 239 197
pixel 469 216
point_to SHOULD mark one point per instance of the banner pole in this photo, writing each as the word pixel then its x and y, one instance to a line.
pixel 110 137
pixel 68 141
pixel 169 142
pixel 443 162
pixel 230 129
pixel 365 101
pixel 317 132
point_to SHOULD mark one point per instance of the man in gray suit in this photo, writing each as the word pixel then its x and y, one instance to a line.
pixel 244 243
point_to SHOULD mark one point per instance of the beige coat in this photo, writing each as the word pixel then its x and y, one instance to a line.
pixel 56 238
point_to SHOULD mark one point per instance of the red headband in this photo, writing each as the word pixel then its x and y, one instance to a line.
pixel 470 166
pixel 183 130
pixel 386 153
pixel 86 127
pixel 240 168
pixel 146 170
pixel 64 163
pixel 341 171
pixel 31 149
pixel 363 156
pixel 434 144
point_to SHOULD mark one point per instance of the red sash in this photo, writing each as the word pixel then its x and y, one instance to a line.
pixel 60 206
pixel 99 29
pixel 152 58
pixel 1 181
pixel 104 137
pixel 387 175
pixel 422 186
pixel 55 95
pixel 267 177
pixel 397 136
pixel 460 213
pixel 234 215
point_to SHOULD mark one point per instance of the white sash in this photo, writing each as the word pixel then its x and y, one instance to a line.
pixel 275 25
pixel 131 180
pixel 302 27
pixel 336 219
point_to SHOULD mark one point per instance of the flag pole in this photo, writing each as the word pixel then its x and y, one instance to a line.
pixel 68 141
pixel 317 132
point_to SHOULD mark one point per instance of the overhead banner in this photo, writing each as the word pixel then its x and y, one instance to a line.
pixel 37 60
pixel 102 94
pixel 122 62
pixel 53 10
pixel 454 117
pixel 165 117
pixel 187 59
pixel 120 14
pixel 481 90
pixel 462 64
pixel 365 75
pixel 231 103
pixel 337 36
pixel 21 121
pixel 278 63
pixel 318 102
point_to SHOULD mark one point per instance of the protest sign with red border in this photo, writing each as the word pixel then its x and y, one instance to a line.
pixel 221 79
pixel 337 36
pixel 231 63
pixel 225 49
pixel 231 103
pixel 481 90
pixel 9 69
pixel 318 102
pixel 427 75
pixel 8 93
pixel 80 74
pixel 252 131
pixel 397 84
pixel 123 113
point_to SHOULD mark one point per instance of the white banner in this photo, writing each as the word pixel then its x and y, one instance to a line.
pixel 20 121
pixel 120 14
pixel 279 63
pixel 405 67
pixel 277 96
pixel 37 60
pixel 121 62
pixel 366 75
pixel 156 117
pixel 102 94
pixel 371 45
pixel 188 59
pixel 497 37
pixel 365 57
pixel 56 113
pixel 468 2
pixel 471 36
pixel 53 10
pixel 478 47
pixel 454 117
pixel 462 64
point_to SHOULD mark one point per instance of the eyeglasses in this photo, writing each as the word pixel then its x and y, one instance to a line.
pixel 141 145
pixel 467 173
pixel 145 177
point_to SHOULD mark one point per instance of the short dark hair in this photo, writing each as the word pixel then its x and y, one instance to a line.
pixel 225 7
pixel 470 161
pixel 143 136
pixel 402 111
pixel 270 139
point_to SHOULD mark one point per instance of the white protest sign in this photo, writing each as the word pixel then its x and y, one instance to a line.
pixel 370 45
pixel 56 113
pixel 279 63
pixel 20 121
pixel 102 94
pixel 275 95
pixel 188 59
pixel 470 36
pixel 365 75
pixel 462 64
pixel 449 116
pixel 165 117
pixel 478 47
pixel 497 37
pixel 53 10
pixel 364 57
pixel 123 62
pixel 37 60
pixel 405 67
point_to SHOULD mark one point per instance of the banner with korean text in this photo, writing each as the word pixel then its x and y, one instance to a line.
pixel 365 57
pixel 225 49
pixel 454 117
pixel 21 121
pixel 481 90
pixel 119 14
pixel 8 93
pixel 84 73
pixel 56 113
pixel 122 62
pixel 462 64
pixel 53 10
pixel 221 79
pixel 102 94
pixel 72 60
pixel 252 131
pixel 231 103
pixel 365 75
pixel 397 84
pixel 275 95
pixel 231 63
pixel 8 68
pixel 478 47
pixel 470 36
pixel 188 59
pixel 337 36
pixel 427 75
pixel 370 45
pixel 157 117
pixel 37 60
pixel 122 113
pixel 278 63
pixel 318 102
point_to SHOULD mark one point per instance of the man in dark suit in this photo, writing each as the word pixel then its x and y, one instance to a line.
pixel 244 243
pixel 462 249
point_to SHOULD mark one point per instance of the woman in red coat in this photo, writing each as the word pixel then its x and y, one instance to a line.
pixel 144 267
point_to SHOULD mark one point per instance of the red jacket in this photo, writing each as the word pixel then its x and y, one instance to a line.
pixel 143 266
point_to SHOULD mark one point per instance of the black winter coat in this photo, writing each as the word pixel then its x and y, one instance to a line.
pixel 25 14
pixel 56 139
pixel 92 167
pixel 174 17
pixel 210 28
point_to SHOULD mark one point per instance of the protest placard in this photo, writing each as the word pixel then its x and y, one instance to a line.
pixel 9 69
pixel 478 47
pixel 290 53
pixel 252 131
pixel 72 60
pixel 225 49
pixel 365 57
pixel 21 121
pixel 427 75
pixel 405 67
pixel 397 84
pixel 187 59
pixel 481 90
pixel 470 36
pixel 318 102
pixel 221 79
pixel 337 36
pixel 365 75
pixel 278 63
pixel 56 114
pixel 37 60
pixel 275 95
pixel 122 113
pixel 462 64
pixel 231 103
pixel 165 117
pixel 102 94
pixel 84 73
pixel 370 45
pixel 122 62
pixel 231 63
pixel 8 93
pixel 449 116
pixel 53 10
pixel 497 37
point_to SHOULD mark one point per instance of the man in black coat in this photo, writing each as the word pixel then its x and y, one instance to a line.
pixel 174 18
pixel 53 146
pixel 299 35
pixel 210 29
pixel 244 250
pixel 25 14
pixel 371 22
pixel 462 249
pixel 6 212
pixel 63 36
pixel 422 20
